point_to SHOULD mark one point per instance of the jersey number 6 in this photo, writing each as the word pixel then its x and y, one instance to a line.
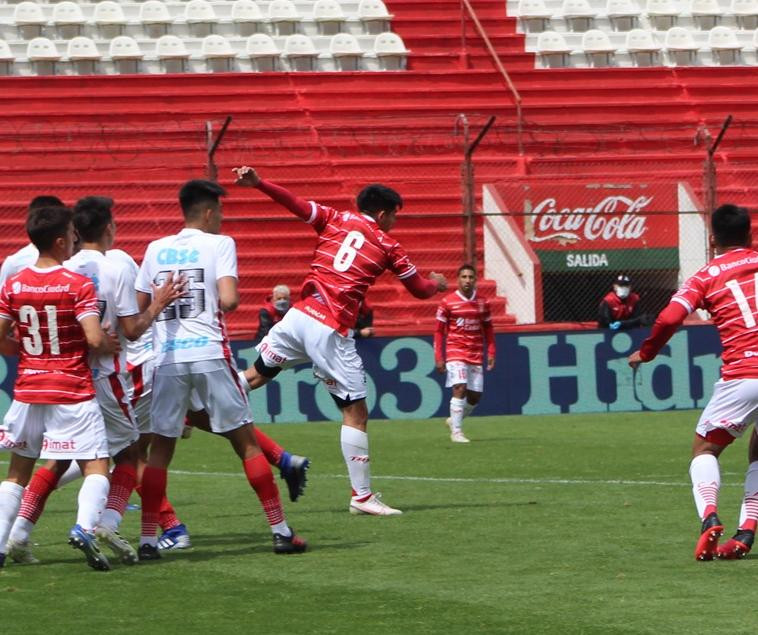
pixel 348 250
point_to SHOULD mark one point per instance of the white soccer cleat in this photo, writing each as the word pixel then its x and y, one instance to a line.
pixel 119 545
pixel 449 423
pixel 457 436
pixel 21 552
pixel 373 506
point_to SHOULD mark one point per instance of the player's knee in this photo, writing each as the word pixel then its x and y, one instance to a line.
pixel 343 403
pixel 473 397
pixel 266 371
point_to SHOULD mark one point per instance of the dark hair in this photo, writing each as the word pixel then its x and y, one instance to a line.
pixel 45 201
pixel 376 198
pixel 199 192
pixel 46 224
pixel 92 214
pixel 730 225
pixel 466 267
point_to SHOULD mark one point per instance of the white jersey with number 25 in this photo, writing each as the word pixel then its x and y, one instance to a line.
pixel 192 328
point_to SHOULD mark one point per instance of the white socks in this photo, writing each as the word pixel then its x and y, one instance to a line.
pixel 110 519
pixel 10 502
pixel 355 450
pixel 468 408
pixel 457 413
pixel 71 474
pixel 706 482
pixel 22 529
pixel 92 498
pixel 749 508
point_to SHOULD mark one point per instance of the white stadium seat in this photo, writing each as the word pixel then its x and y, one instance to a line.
pixel 534 15
pixel 6 58
pixel 745 12
pixel 68 19
pixel 725 48
pixel 553 49
pixel 578 15
pixel 346 52
pixel 200 17
pixel 217 53
pixel 172 54
pixel 623 15
pixel 83 54
pixel 374 16
pixel 263 52
pixel 328 16
pixel 642 48
pixel 681 46
pixel 390 50
pixel 598 48
pixel 706 13
pixel 300 52
pixel 29 19
pixel 283 16
pixel 155 18
pixel 663 14
pixel 109 18
pixel 43 55
pixel 247 17
pixel 126 54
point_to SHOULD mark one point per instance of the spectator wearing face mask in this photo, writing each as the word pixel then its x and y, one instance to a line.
pixel 277 304
pixel 619 309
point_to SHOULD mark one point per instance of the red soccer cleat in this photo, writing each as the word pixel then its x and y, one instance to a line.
pixel 738 546
pixel 707 544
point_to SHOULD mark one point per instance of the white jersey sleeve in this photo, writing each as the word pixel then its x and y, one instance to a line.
pixel 17 261
pixel 227 258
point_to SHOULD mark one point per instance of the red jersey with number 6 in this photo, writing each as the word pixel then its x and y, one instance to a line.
pixel 46 305
pixel 350 255
pixel 727 287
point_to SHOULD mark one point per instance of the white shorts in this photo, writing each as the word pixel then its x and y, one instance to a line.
pixel 112 396
pixel 463 373
pixel 55 431
pixel 733 408
pixel 299 339
pixel 139 382
pixel 212 384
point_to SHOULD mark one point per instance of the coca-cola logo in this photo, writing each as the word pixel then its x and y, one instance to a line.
pixel 613 218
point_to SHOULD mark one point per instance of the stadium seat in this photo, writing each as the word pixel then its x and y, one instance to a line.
pixel 534 15
pixel 663 14
pixel 283 16
pixel 217 53
pixel 43 55
pixel 642 48
pixel 346 52
pixel 578 15
pixel 328 16
pixel 29 19
pixel 126 54
pixel 172 54
pixel 553 50
pixel 263 52
pixel 109 18
pixel 68 19
pixel 247 17
pixel 300 52
pixel 200 17
pixel 598 48
pixel 706 14
pixel 390 50
pixel 623 15
pixel 725 48
pixel 681 46
pixel 83 55
pixel 155 18
pixel 7 58
pixel 374 16
pixel 745 13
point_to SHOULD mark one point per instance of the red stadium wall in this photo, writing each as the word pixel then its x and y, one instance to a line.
pixel 325 134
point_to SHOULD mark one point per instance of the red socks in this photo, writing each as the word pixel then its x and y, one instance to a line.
pixel 270 448
pixel 35 495
pixel 261 480
pixel 123 480
pixel 153 491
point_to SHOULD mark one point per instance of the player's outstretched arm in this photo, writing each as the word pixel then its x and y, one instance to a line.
pixel 423 288
pixel 8 345
pixel 665 326
pixel 248 177
pixel 133 326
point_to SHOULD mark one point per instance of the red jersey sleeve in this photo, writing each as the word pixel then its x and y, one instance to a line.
pixel 5 309
pixel 399 262
pixel 691 294
pixel 86 301
pixel 321 216
pixel 440 332
pixel 665 326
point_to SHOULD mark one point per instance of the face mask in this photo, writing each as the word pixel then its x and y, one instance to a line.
pixel 622 292
pixel 282 305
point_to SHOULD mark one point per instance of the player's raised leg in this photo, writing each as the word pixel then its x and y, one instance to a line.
pixel 739 545
pixel 706 483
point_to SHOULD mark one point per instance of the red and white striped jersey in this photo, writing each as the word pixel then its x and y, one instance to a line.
pixel 352 251
pixel 46 305
pixel 467 322
pixel 727 287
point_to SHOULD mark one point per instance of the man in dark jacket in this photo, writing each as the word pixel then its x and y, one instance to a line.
pixel 277 304
pixel 619 309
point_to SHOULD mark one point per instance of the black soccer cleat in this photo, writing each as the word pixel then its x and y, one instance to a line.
pixel 148 552
pixel 738 546
pixel 2 560
pixel 293 469
pixel 710 532
pixel 289 544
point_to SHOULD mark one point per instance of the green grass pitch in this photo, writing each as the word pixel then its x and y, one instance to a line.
pixel 561 524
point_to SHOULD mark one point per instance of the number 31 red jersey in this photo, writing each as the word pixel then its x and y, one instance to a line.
pixel 46 305
pixel 727 287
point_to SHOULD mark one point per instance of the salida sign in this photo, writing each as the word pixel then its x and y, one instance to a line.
pixel 595 226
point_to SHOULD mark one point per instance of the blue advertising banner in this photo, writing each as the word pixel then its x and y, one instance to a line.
pixel 535 373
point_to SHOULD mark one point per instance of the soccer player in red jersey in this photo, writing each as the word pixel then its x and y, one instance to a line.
pixel 726 287
pixel 352 250
pixel 464 324
pixel 54 414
